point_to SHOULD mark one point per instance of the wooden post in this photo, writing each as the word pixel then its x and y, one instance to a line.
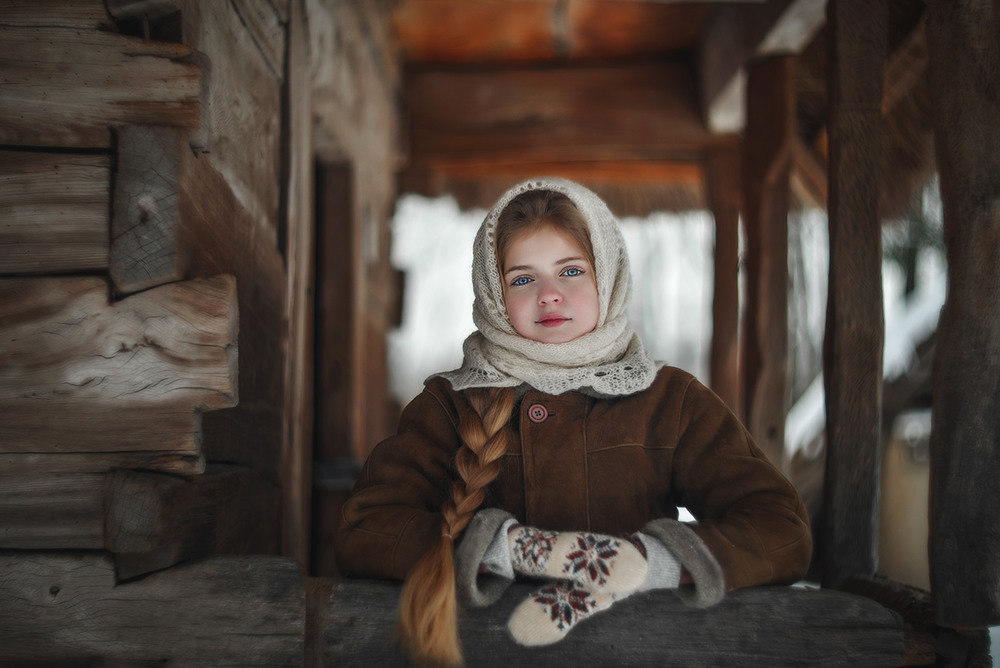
pixel 297 434
pixel 852 356
pixel 339 401
pixel 766 173
pixel 965 436
pixel 723 184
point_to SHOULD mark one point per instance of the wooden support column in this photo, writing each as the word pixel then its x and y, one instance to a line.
pixel 722 175
pixel 852 356
pixel 339 403
pixel 766 173
pixel 297 434
pixel 964 58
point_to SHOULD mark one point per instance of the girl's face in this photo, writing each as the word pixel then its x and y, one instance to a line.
pixel 549 286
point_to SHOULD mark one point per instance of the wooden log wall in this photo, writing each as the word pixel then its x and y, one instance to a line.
pixel 117 163
pixel 156 268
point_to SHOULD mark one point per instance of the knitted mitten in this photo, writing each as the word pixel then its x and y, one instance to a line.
pixel 598 563
pixel 550 613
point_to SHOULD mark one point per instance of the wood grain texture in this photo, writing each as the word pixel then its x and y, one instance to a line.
pixel 145 248
pixel 66 86
pixel 101 462
pixel 60 425
pixel 63 341
pixel 965 457
pixel 852 347
pixel 768 626
pixel 68 609
pixel 52 511
pixel 154 521
pixel 53 212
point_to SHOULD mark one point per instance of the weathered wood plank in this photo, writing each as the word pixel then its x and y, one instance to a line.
pixel 767 163
pixel 51 511
pixel 769 626
pixel 240 130
pixel 154 521
pixel 852 355
pixel 101 462
pixel 265 21
pixel 230 242
pixel 54 425
pixel 145 248
pixel 65 87
pixel 63 341
pixel 85 14
pixel 965 433
pixel 228 611
pixel 53 212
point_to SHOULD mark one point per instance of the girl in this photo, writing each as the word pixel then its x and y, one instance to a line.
pixel 556 438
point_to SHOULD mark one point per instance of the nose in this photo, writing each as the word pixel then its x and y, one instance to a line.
pixel 548 293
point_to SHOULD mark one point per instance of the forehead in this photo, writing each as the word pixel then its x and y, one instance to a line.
pixel 543 244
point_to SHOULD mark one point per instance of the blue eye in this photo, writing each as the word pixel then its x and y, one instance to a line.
pixel 573 271
pixel 521 280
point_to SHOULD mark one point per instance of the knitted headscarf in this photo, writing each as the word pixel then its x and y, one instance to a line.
pixel 608 361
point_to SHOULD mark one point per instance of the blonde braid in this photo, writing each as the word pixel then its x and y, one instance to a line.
pixel 428 607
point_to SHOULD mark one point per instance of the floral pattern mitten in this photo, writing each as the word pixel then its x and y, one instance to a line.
pixel 598 563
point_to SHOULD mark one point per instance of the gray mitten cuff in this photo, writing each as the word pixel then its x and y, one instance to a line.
pixel 664 570
pixel 474 588
pixel 693 554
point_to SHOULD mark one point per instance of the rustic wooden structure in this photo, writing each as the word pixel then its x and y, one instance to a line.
pixel 195 292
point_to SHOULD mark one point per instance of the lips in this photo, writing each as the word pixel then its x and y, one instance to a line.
pixel 552 320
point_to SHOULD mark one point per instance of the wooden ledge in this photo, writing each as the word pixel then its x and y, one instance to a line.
pixel 355 622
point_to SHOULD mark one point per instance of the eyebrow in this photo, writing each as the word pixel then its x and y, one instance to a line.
pixel 565 260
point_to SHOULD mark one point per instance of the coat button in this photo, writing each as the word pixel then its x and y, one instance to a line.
pixel 537 413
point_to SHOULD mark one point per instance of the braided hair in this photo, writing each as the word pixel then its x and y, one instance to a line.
pixel 428 606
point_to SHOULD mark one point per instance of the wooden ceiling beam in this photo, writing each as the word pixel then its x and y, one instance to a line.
pixel 739 33
pixel 565 114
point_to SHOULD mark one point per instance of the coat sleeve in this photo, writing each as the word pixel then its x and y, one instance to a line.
pixel 393 514
pixel 750 517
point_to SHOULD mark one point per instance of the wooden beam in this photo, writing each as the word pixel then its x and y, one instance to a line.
pixel 98 425
pixel 773 626
pixel 736 35
pixel 852 356
pixel 51 511
pixel 92 79
pixel 545 115
pixel 63 608
pixel 230 241
pixel 722 181
pixel 54 209
pixel 153 521
pixel 102 462
pixel 965 432
pixel 145 248
pixel 768 147
pixel 63 342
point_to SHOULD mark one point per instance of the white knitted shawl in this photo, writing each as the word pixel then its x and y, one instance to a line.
pixel 608 361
